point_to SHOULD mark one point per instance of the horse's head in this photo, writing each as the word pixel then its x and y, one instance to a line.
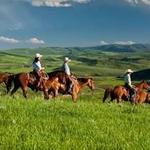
pixel 90 83
pixel 145 85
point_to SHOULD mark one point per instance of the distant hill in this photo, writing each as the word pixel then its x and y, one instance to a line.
pixel 141 75
pixel 122 48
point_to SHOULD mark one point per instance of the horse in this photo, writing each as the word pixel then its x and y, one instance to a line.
pixel 24 80
pixel 118 92
pixel 142 97
pixel 121 93
pixel 79 84
pixel 4 78
pixel 54 86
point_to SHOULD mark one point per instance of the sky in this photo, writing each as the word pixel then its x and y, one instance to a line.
pixel 67 23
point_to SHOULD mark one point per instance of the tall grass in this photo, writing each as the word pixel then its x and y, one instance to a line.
pixel 61 124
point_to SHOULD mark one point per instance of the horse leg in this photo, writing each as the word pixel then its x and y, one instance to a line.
pixel 24 90
pixel 111 100
pixel 119 99
pixel 105 96
pixel 74 97
pixel 112 97
pixel 46 94
pixel 16 87
pixel 8 87
pixel 55 93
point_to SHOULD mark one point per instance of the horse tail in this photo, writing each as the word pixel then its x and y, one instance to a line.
pixel 106 94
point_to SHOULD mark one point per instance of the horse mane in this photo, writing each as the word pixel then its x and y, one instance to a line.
pixel 143 81
pixel 83 80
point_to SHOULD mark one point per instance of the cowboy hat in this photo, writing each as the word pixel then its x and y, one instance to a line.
pixel 67 59
pixel 129 71
pixel 37 55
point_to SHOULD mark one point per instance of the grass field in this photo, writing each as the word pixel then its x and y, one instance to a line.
pixel 62 124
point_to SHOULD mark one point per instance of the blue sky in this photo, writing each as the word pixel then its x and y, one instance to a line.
pixel 36 23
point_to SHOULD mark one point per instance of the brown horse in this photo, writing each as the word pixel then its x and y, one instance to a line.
pixel 56 87
pixel 25 80
pixel 142 97
pixel 4 78
pixel 120 92
pixel 79 84
pixel 53 85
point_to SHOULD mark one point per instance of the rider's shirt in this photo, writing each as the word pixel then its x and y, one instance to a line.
pixel 36 66
pixel 66 69
pixel 127 79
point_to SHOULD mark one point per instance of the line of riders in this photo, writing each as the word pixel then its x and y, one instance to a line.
pixel 72 83
pixel 131 92
pixel 38 71
pixel 59 81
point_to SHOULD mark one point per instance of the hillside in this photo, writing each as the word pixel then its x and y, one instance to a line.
pixel 123 48
pixel 141 75
pixel 85 61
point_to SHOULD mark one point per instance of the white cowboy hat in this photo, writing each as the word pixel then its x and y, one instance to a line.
pixel 67 59
pixel 129 71
pixel 37 55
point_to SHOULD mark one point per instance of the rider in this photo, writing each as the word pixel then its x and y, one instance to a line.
pixel 128 83
pixel 66 69
pixel 37 68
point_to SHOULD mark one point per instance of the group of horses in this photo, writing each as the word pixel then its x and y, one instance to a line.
pixel 120 93
pixel 51 83
pixel 56 82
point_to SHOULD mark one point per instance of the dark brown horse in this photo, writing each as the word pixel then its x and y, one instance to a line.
pixel 62 77
pixel 25 80
pixel 4 78
pixel 120 92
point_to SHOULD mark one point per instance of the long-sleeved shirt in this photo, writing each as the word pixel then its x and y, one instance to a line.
pixel 66 69
pixel 127 79
pixel 36 66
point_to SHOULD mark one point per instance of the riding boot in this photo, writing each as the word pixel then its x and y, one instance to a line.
pixel 38 83
pixel 69 90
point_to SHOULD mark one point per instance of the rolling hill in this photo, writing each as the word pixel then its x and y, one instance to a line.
pixel 100 61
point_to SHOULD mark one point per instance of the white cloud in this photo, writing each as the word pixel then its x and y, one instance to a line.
pixel 8 40
pixel 118 42
pixel 136 2
pixel 56 3
pixel 82 1
pixel 103 43
pixel 35 40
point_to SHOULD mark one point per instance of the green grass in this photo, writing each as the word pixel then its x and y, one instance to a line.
pixel 61 124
